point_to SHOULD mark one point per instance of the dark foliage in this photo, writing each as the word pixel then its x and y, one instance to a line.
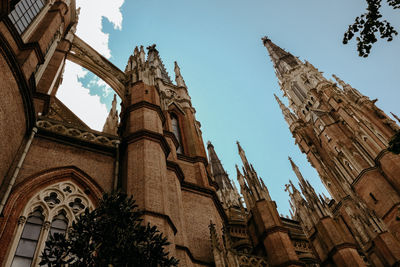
pixel 111 235
pixel 369 24
pixel 394 144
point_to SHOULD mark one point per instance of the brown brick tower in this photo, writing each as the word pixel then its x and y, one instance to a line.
pixel 345 137
pixel 332 242
pixel 266 229
pixel 53 165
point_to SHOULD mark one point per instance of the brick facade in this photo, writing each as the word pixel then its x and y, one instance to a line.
pixel 156 152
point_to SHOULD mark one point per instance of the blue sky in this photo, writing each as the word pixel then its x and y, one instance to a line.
pixel 230 78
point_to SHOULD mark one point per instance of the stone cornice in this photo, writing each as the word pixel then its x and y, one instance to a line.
pixel 194 260
pixel 207 192
pixel 163 216
pixel 395 206
pixel 193 159
pixel 377 163
pixel 172 136
pixel 67 134
pixel 149 135
pixel 173 166
pixel 142 104
pixel 336 248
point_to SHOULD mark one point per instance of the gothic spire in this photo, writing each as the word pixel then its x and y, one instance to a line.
pixel 290 117
pixel 217 170
pixel 178 76
pixel 244 189
pixel 347 87
pixel 283 61
pixel 308 191
pixel 297 172
pixel 296 78
pixel 395 116
pixel 255 185
pixel 154 60
pixel 111 124
pixel 243 156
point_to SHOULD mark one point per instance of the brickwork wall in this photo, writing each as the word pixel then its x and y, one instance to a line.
pixel 12 118
pixel 198 211
pixel 45 154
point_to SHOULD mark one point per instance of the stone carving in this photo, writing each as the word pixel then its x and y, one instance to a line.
pixel 21 220
pixel 88 136
pixel 58 197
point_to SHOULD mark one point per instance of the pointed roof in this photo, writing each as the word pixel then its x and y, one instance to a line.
pixel 242 155
pixel 111 124
pixel 283 61
pixel 290 117
pixel 178 76
pixel 298 173
pixel 154 57
pixel 220 175
pixel 395 116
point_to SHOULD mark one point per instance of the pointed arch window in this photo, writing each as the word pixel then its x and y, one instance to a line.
pixel 177 132
pixel 54 208
pixel 29 239
pixel 59 224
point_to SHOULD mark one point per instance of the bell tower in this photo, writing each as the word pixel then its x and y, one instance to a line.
pixel 164 164
pixel 345 137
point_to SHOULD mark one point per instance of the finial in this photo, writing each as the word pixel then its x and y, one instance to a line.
pixel 209 144
pixel 178 76
pixel 265 39
pixel 114 102
pixel 278 100
pixel 151 48
pixel 239 146
pixel 395 116
pixel 292 185
pixel 294 166
pixel 177 70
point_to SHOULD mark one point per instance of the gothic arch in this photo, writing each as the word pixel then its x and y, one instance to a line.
pixel 84 55
pixel 22 194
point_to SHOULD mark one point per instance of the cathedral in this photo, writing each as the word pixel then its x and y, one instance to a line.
pixel 53 166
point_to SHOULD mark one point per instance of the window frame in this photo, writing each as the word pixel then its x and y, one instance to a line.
pixel 173 116
pixel 34 22
pixel 49 212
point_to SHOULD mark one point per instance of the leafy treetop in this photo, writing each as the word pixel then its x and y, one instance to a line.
pixel 110 235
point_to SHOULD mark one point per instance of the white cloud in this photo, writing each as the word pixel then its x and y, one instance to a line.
pixel 72 93
pixel 78 98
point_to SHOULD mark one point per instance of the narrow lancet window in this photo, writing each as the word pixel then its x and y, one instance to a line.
pixel 59 224
pixel 29 240
pixel 176 131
